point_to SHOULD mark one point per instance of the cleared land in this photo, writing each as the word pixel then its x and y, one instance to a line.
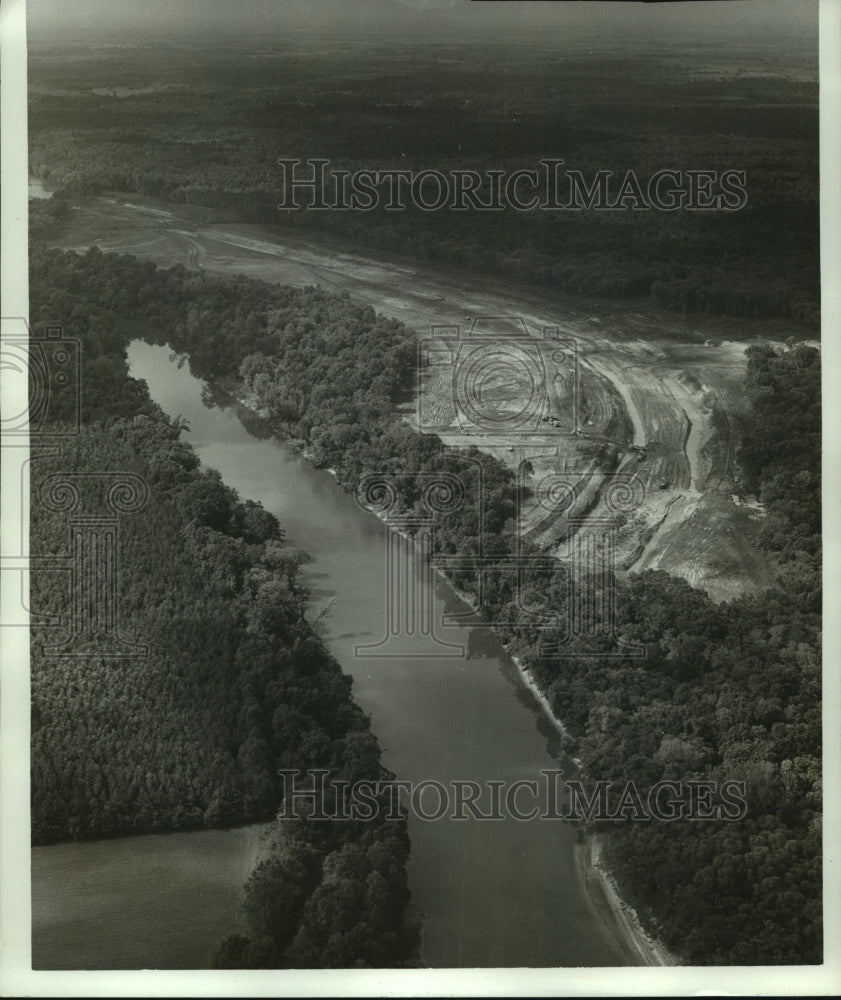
pixel 569 395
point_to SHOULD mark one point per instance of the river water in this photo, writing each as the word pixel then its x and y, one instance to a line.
pixel 497 893
pixel 160 901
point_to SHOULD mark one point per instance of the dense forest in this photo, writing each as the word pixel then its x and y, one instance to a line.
pixel 207 127
pixel 235 684
pixel 726 692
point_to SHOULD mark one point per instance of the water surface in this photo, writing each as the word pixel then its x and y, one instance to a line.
pixel 500 893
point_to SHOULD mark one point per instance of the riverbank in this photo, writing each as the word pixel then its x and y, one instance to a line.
pixel 597 886
pixel 542 700
pixel 435 718
pixel 602 892
pixel 643 353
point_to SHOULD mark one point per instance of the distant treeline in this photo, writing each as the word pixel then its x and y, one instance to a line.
pixel 235 685
pixel 726 692
pixel 215 139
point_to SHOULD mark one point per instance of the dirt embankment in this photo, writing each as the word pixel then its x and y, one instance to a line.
pixel 570 396
pixel 601 890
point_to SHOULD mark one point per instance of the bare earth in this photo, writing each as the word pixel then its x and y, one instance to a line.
pixel 640 947
pixel 582 393
pixel 571 396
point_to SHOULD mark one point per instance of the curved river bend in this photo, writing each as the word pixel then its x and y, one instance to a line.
pixel 502 893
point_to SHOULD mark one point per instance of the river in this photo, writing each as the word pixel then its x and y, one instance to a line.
pixel 500 893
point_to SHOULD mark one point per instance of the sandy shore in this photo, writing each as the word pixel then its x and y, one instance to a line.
pixel 598 886
pixel 540 698
pixel 603 894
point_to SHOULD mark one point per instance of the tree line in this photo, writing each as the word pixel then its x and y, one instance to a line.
pixel 725 692
pixel 215 140
pixel 235 686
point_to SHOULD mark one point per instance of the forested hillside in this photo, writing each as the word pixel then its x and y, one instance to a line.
pixel 725 692
pixel 235 684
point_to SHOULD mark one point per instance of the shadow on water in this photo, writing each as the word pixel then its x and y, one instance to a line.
pixel 483 643
pixel 438 717
pixel 214 397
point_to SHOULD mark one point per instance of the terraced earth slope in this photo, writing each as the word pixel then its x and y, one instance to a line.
pixel 571 395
